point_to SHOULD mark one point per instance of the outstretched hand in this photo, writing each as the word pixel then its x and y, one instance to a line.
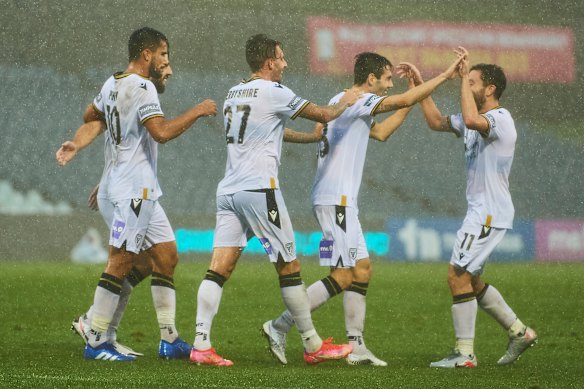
pixel 66 153
pixel 464 66
pixel 409 71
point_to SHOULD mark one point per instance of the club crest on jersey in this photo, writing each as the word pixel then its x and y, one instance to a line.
pixel 353 254
pixel 289 248
pixel 326 249
pixel 266 245
pixel 118 228
pixel 294 102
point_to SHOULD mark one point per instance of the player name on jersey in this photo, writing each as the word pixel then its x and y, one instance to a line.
pixel 242 93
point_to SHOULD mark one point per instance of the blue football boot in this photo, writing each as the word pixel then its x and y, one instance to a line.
pixel 106 352
pixel 179 349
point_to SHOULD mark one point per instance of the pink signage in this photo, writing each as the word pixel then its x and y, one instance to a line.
pixel 559 240
pixel 527 53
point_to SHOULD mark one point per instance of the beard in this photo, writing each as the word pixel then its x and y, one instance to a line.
pixel 159 84
pixel 479 100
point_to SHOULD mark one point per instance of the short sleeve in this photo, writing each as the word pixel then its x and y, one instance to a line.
pixel 493 128
pixel 456 123
pixel 98 103
pixel 285 102
pixel 149 105
pixel 367 105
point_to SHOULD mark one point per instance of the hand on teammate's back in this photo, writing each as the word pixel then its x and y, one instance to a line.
pixel 351 96
pixel 410 72
pixel 207 108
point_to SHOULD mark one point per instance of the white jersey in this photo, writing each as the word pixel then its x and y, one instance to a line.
pixel 341 154
pixel 488 164
pixel 255 112
pixel 127 101
pixel 102 192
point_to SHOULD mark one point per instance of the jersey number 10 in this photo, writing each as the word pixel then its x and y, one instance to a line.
pixel 113 124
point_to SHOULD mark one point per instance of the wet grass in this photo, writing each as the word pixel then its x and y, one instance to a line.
pixel 408 324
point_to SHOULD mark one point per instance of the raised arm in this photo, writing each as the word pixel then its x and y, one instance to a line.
pixel 473 120
pixel 420 92
pixel 293 136
pixel 163 130
pixel 435 120
pixel 330 112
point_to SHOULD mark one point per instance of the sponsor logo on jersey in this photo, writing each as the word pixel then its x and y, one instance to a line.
pixel 148 109
pixel 370 100
pixel 266 245
pixel 118 228
pixel 326 249
pixel 293 104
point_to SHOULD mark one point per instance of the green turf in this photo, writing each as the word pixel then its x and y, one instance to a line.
pixel 408 324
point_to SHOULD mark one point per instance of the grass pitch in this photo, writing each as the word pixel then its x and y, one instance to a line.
pixel 408 324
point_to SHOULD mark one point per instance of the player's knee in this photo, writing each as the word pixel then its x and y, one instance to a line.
pixel 343 277
pixel 362 271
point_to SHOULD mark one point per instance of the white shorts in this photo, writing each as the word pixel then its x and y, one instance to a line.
pixel 261 213
pixel 342 243
pixel 138 223
pixel 473 245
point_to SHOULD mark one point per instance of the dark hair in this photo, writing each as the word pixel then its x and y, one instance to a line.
pixel 367 63
pixel 258 49
pixel 492 75
pixel 144 38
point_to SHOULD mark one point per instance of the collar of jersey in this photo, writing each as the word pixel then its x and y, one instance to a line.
pixel 119 75
pixel 244 81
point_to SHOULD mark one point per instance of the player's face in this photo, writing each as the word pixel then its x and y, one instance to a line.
pixel 160 82
pixel 279 64
pixel 160 60
pixel 478 88
pixel 382 84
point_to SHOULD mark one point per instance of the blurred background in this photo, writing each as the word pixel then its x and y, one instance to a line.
pixel 56 56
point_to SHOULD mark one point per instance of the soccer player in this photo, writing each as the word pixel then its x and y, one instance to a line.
pixel 249 201
pixel 129 103
pixel 142 265
pixel 489 137
pixel 341 157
